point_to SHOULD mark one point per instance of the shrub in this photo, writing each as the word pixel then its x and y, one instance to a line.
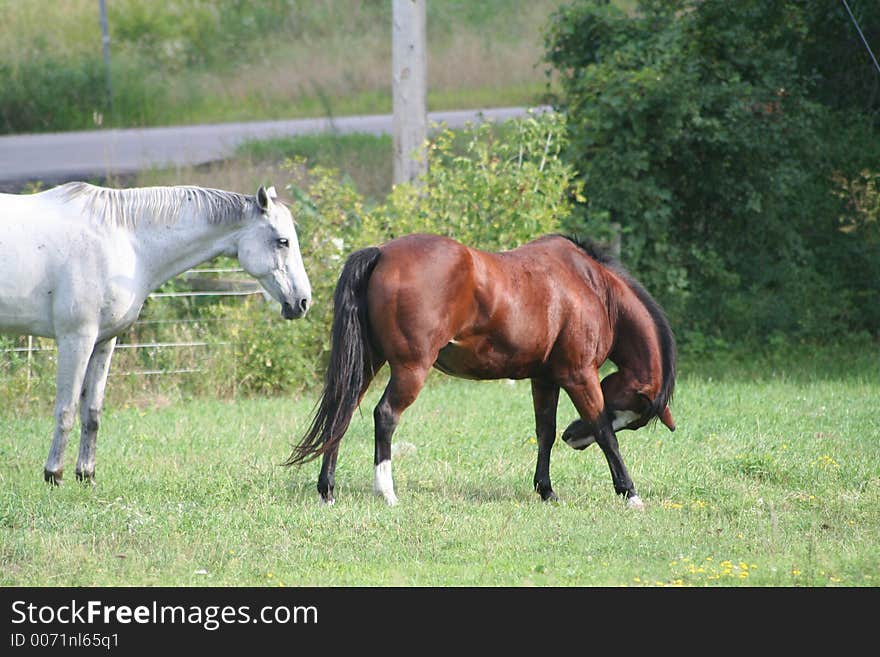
pixel 701 130
pixel 51 94
pixel 490 189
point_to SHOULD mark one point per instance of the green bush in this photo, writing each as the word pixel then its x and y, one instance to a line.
pixel 51 94
pixel 703 131
pixel 202 33
pixel 490 189
pixel 48 94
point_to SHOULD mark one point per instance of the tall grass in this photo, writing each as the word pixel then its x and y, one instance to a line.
pixel 198 61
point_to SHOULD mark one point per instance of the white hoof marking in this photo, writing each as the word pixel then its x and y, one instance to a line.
pixel 635 502
pixel 383 484
pixel 325 502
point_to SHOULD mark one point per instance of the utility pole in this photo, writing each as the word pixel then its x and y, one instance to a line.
pixel 409 64
pixel 105 40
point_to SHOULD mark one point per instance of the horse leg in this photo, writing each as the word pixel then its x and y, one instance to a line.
pixel 327 476
pixel 73 356
pixel 589 402
pixel 403 388
pixel 91 405
pixel 545 397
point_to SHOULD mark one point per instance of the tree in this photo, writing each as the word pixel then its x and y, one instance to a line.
pixel 705 131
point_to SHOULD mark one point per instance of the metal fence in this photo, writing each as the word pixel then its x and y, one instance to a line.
pixel 237 287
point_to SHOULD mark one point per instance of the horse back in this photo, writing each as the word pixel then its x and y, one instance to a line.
pixel 55 266
pixel 485 315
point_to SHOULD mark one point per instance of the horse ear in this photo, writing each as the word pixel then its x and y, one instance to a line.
pixel 666 418
pixel 264 197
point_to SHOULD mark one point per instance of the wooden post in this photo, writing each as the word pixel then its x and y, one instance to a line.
pixel 409 72
pixel 614 245
pixel 105 40
pixel 30 353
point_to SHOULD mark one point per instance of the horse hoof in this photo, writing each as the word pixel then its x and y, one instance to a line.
pixel 547 494
pixel 635 502
pixel 53 477
pixel 576 437
pixel 389 496
pixel 86 478
pixel 326 501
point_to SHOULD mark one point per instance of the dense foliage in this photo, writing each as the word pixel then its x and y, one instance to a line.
pixel 736 147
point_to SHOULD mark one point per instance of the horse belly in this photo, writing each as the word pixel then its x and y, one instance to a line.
pixel 25 321
pixel 482 361
pixel 25 292
pixel 58 277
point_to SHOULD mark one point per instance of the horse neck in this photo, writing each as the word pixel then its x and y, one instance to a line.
pixel 636 345
pixel 166 250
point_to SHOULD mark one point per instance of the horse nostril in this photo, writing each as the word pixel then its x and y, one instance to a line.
pixel 304 304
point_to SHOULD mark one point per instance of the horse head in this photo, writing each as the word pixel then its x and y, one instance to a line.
pixel 268 250
pixel 631 405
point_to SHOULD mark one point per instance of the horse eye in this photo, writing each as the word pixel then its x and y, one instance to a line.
pixel 283 242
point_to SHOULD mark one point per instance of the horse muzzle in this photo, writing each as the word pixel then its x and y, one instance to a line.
pixel 295 310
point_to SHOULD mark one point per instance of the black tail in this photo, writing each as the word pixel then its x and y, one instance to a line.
pixel 349 349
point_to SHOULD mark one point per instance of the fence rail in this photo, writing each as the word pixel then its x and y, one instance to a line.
pixel 206 293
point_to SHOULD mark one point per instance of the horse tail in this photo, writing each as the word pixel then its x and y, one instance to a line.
pixel 659 405
pixel 349 350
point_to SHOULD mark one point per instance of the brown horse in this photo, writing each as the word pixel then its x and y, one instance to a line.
pixel 551 311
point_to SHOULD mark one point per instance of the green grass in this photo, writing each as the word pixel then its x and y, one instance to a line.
pixel 217 107
pixel 768 481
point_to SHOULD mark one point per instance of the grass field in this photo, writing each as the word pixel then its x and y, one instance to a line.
pixel 772 479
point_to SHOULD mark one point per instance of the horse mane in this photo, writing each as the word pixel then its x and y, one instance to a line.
pixel 156 205
pixel 661 323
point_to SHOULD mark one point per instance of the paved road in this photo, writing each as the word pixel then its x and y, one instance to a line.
pixel 58 157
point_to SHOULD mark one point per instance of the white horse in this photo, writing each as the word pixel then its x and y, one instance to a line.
pixel 78 261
